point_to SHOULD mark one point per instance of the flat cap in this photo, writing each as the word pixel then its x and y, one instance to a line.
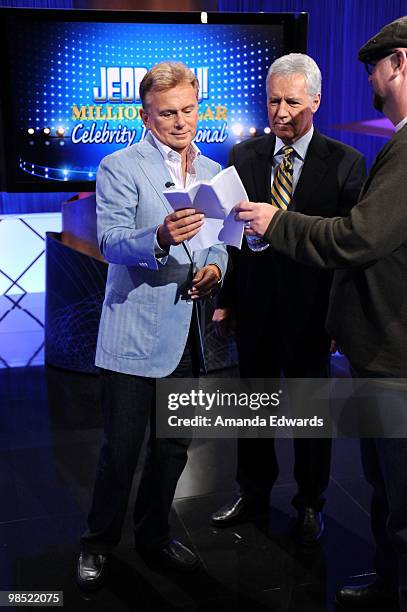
pixel 390 37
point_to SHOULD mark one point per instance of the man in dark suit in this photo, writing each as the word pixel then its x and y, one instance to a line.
pixel 368 312
pixel 264 287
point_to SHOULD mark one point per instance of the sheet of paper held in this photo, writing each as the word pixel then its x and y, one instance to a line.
pixel 216 199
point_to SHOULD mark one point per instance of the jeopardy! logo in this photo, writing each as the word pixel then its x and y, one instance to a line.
pixel 122 84
pixel 117 99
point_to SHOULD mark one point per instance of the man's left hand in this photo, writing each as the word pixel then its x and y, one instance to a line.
pixel 205 282
pixel 258 214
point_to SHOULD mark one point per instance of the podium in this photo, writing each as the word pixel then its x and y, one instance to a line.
pixel 76 275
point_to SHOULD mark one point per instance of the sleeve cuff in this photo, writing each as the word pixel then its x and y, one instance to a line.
pixel 158 251
pixel 275 220
pixel 220 272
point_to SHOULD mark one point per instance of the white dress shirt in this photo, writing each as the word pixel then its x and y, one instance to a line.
pixel 173 161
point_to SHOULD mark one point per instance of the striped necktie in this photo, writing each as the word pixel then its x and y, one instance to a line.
pixel 282 188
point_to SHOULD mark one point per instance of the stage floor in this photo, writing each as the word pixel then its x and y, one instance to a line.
pixel 50 436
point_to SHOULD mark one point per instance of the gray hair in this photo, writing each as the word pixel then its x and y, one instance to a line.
pixel 298 63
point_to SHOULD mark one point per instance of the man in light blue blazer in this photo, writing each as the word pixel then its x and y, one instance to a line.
pixel 149 326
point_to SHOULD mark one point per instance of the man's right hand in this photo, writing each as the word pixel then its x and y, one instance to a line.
pixel 179 226
pixel 223 320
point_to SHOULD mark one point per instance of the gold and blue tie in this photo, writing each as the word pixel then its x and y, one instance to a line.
pixel 282 188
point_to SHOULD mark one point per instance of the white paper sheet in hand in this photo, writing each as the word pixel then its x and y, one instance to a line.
pixel 215 198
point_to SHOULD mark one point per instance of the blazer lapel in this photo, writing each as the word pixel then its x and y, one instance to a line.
pixel 154 169
pixel 261 169
pixel 203 171
pixel 372 169
pixel 314 169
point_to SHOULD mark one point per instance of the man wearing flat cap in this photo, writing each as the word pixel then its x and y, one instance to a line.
pixel 368 305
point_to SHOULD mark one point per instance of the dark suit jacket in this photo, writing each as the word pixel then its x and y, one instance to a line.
pixel 275 298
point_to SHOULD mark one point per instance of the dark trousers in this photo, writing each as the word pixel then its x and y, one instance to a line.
pixel 385 468
pixel 257 465
pixel 128 404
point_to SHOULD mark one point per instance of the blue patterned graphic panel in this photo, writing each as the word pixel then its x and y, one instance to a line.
pixel 75 88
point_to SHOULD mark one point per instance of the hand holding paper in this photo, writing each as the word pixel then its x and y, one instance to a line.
pixel 216 200
pixel 179 226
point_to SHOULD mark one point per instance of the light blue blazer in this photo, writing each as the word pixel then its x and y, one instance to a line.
pixel 145 322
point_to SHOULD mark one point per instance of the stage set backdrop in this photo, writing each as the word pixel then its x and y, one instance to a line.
pixel 336 29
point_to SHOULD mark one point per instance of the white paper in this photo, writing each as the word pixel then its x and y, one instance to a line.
pixel 215 199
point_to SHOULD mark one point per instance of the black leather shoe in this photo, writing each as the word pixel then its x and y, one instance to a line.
pixel 309 526
pixel 174 556
pixel 91 571
pixel 239 511
pixel 375 596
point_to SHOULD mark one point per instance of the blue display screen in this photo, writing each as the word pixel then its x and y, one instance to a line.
pixel 74 88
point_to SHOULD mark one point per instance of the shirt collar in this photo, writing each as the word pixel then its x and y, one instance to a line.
pixel 300 146
pixel 401 124
pixel 168 153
